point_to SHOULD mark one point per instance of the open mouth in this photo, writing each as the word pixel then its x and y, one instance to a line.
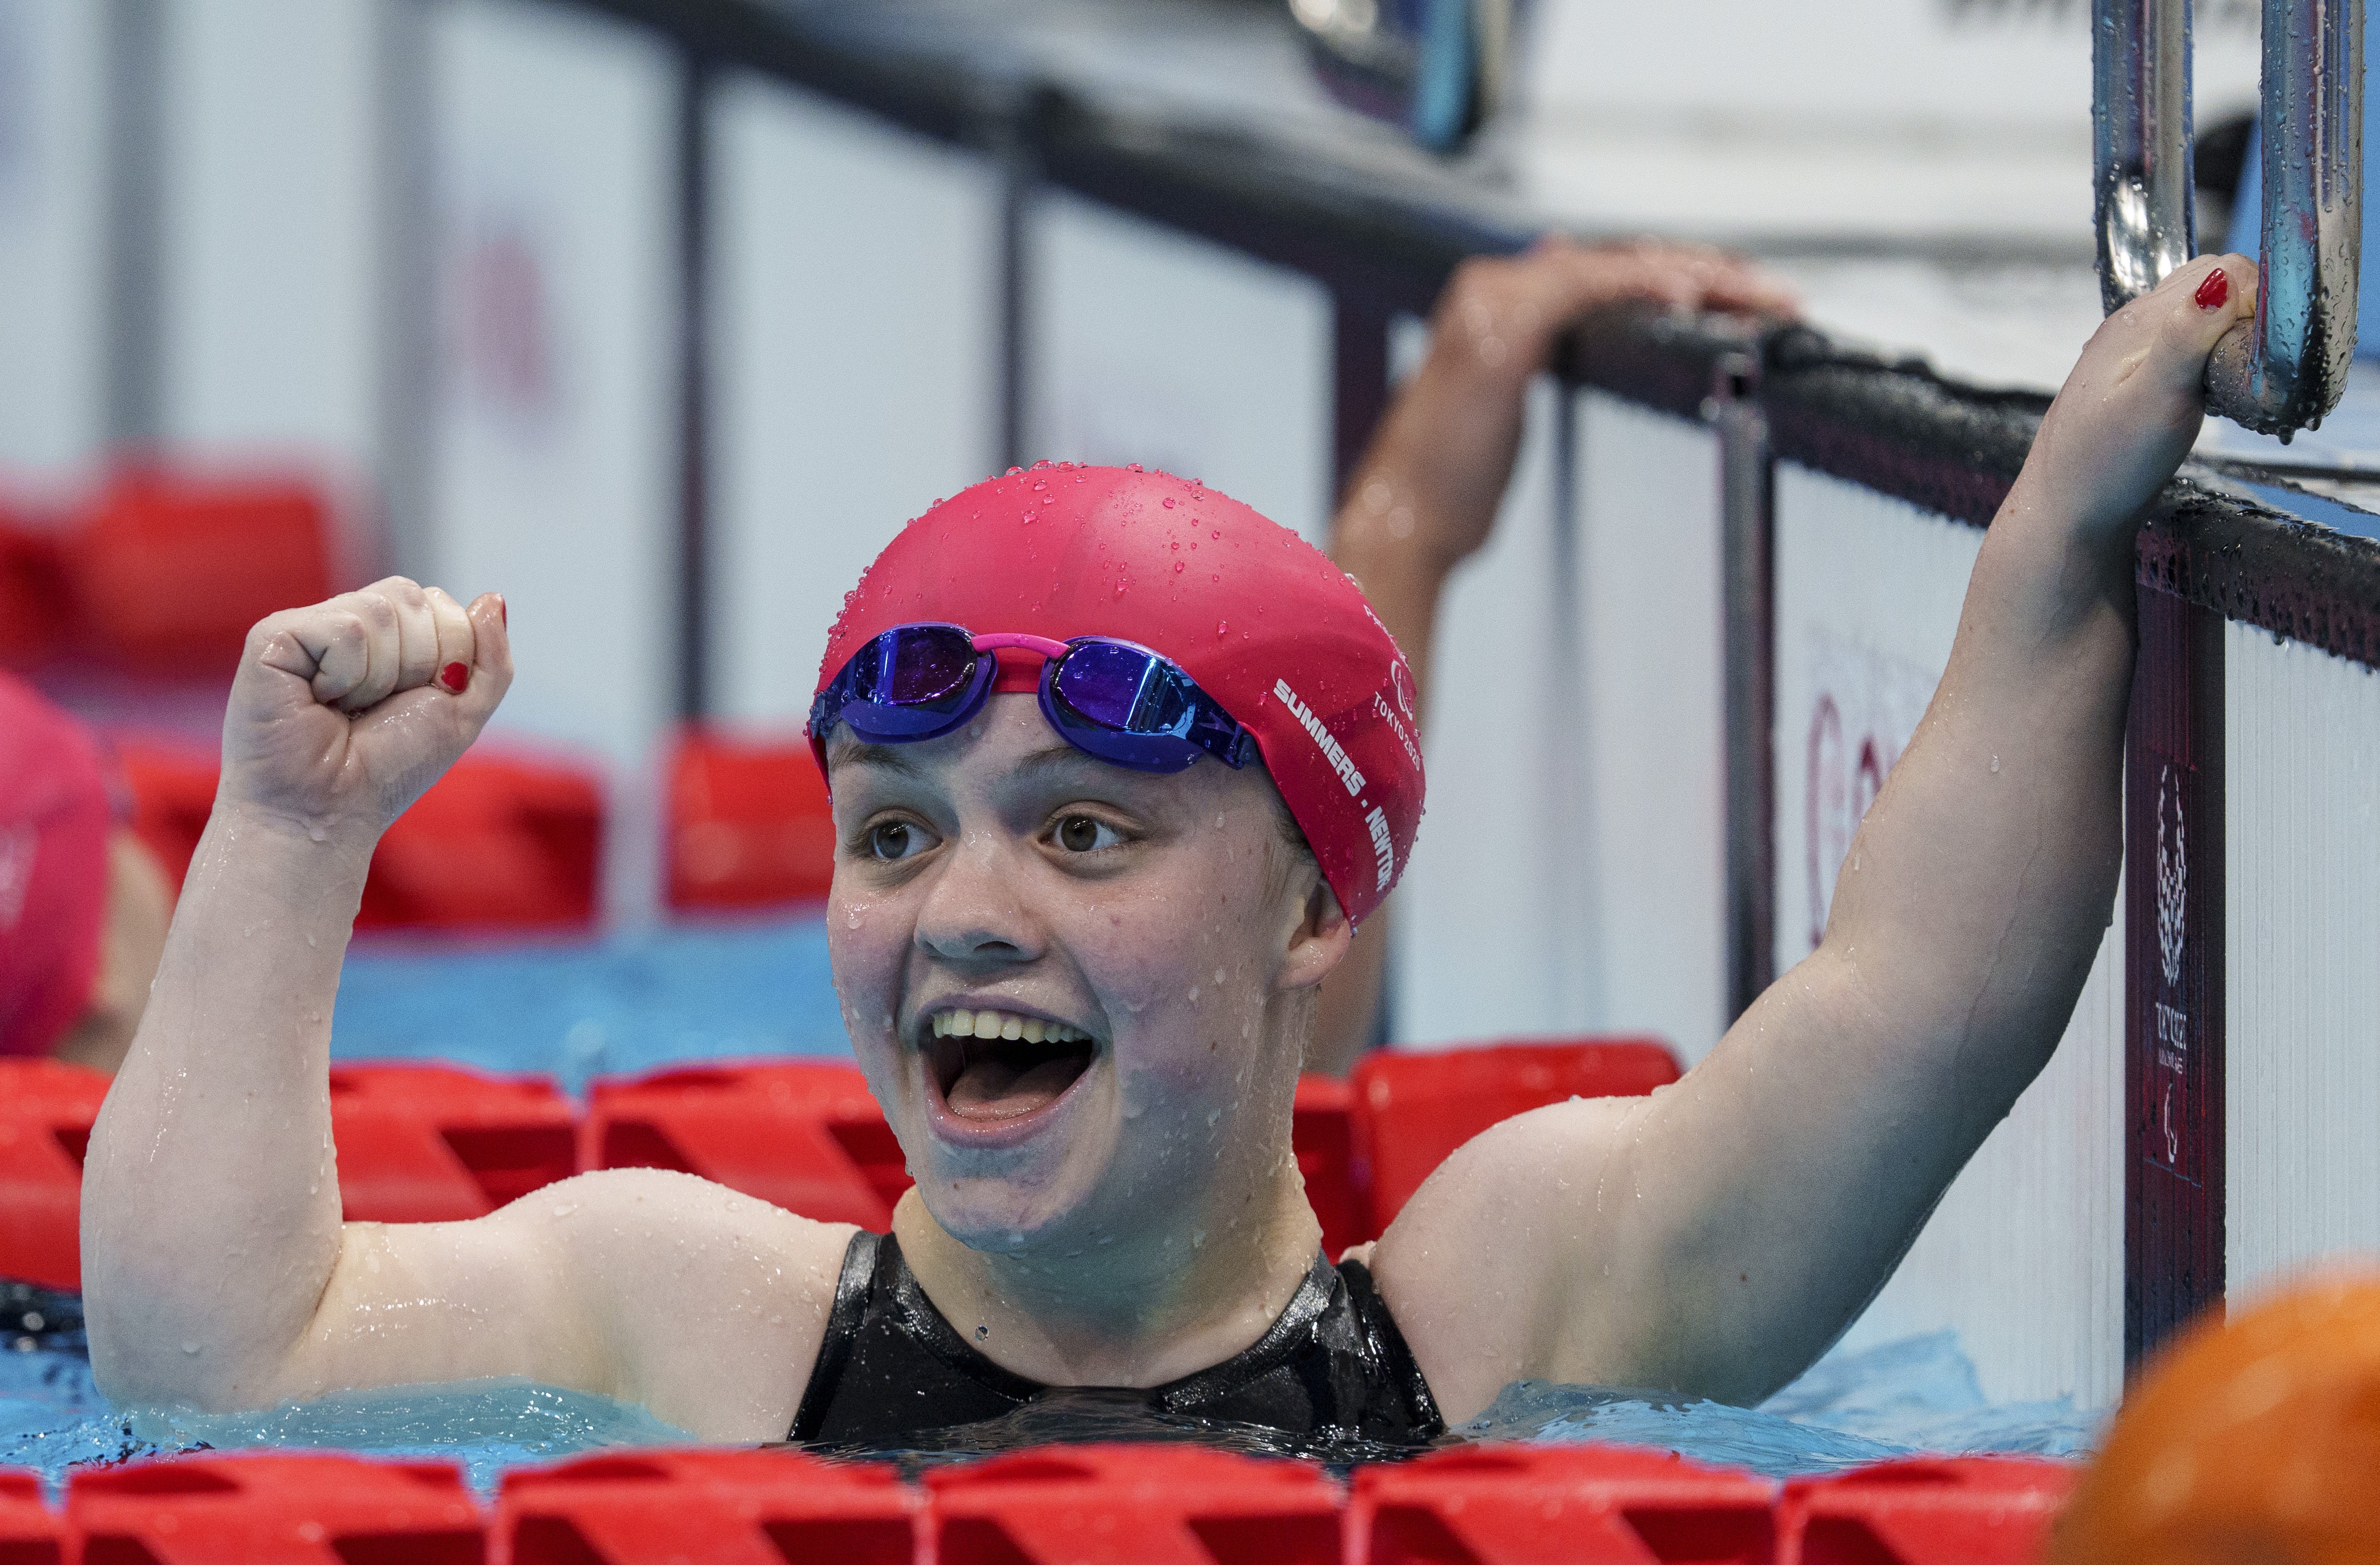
pixel 993 1066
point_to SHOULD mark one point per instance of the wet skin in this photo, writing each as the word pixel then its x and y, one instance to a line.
pixel 1713 1238
pixel 1152 1212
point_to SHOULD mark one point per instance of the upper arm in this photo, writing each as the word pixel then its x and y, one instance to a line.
pixel 1712 1238
pixel 704 1306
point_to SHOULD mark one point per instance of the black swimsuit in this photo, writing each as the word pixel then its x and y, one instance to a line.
pixel 892 1368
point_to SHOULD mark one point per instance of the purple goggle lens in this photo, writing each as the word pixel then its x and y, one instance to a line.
pixel 1117 700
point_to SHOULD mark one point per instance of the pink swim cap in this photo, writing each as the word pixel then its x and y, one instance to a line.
pixel 54 827
pixel 1256 615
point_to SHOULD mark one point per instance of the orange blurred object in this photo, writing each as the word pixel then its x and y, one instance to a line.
pixel 750 825
pixel 170 570
pixel 2255 1439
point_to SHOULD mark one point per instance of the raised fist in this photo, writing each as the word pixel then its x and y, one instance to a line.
pixel 344 713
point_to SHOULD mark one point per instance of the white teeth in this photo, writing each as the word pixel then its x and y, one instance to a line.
pixel 1001 1025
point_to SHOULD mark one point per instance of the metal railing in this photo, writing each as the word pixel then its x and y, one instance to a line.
pixel 2283 371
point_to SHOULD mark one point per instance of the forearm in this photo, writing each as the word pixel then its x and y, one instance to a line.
pixel 1977 889
pixel 210 1196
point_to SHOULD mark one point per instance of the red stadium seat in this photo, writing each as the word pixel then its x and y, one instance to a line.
pixel 1961 1510
pixel 46 1109
pixel 749 823
pixel 435 1143
pixel 277 1509
pixel 1134 1505
pixel 1320 1135
pixel 803 1135
pixel 500 842
pixel 170 570
pixel 1521 1505
pixel 661 1508
pixel 1413 1107
pixel 30 1534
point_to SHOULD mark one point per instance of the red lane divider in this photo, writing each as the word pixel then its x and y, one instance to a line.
pixel 500 841
pixel 717 1507
pixel 282 1508
pixel 803 1135
pixel 1521 1505
pixel 1052 1505
pixel 33 594
pixel 1961 1511
pixel 1321 1134
pixel 169 570
pixel 46 1109
pixel 30 1534
pixel 173 786
pixel 437 1144
pixel 1413 1107
pixel 750 825
pixel 1134 1505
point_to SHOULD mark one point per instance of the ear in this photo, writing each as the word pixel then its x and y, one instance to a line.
pixel 1319 941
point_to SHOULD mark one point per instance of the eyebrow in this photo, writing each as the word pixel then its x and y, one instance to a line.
pixel 888 757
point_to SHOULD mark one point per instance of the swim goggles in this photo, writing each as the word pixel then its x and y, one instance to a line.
pixel 1117 700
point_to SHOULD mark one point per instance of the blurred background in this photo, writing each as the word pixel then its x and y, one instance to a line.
pixel 661 318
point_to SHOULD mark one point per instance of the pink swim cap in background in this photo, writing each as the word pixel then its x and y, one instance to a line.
pixel 1256 615
pixel 54 825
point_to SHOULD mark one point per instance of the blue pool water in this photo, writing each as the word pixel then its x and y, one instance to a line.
pixel 626 1004
pixel 1918 1395
pixel 637 1000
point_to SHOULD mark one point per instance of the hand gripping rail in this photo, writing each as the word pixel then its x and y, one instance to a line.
pixel 2283 371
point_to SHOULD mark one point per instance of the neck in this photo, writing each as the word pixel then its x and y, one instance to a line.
pixel 1138 1312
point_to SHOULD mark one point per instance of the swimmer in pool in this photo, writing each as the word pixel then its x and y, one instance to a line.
pixel 1084 891
pixel 83 905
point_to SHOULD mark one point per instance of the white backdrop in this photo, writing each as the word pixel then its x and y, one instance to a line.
pixel 854 368
pixel 554 469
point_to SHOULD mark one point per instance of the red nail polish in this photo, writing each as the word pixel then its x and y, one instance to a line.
pixel 2216 291
pixel 454 676
pixel 503 612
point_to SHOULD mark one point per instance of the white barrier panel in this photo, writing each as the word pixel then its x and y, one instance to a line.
pixel 52 236
pixel 1489 934
pixel 854 367
pixel 1569 876
pixel 2302 973
pixel 2024 1256
pixel 1145 345
pixel 556 460
pixel 271 235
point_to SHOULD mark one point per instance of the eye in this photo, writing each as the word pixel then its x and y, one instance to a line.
pixel 897 839
pixel 1085 834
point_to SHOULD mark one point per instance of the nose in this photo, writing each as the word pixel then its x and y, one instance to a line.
pixel 973 914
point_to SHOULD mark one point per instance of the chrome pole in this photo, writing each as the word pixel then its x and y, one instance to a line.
pixel 2140 133
pixel 2285 369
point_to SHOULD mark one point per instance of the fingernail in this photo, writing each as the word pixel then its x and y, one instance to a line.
pixel 504 614
pixel 454 676
pixel 2216 291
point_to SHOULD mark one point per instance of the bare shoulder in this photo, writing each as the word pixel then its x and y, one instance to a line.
pixel 1486 1266
pixel 710 1305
